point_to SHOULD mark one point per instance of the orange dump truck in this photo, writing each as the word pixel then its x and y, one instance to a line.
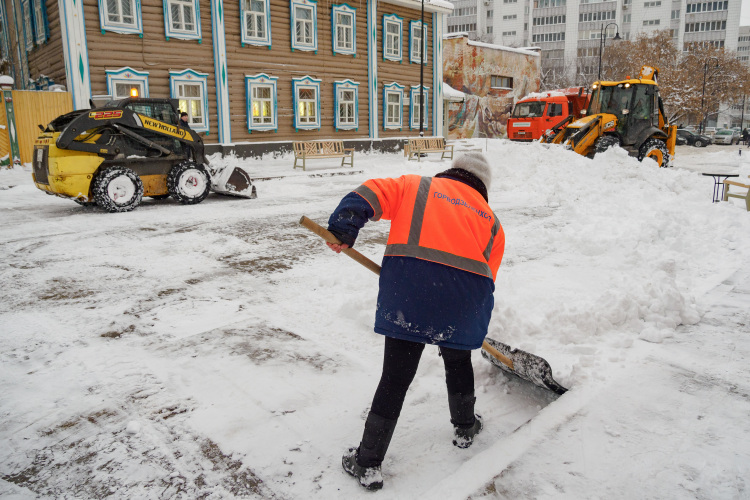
pixel 537 112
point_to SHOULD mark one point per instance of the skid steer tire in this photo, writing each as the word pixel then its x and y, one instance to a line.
pixel 188 183
pixel 657 150
pixel 118 189
pixel 605 142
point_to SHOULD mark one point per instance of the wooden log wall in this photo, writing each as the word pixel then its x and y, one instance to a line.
pixel 152 53
pixel 281 62
pixel 48 59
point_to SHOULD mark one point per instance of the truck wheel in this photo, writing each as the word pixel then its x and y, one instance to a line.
pixel 118 189
pixel 655 149
pixel 188 183
pixel 605 142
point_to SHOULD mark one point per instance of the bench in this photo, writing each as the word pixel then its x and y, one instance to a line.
pixel 417 146
pixel 304 150
pixel 745 196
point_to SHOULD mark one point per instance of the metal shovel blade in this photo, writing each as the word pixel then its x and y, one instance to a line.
pixel 232 181
pixel 523 364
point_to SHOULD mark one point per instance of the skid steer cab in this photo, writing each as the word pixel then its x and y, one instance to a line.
pixel 115 155
pixel 629 114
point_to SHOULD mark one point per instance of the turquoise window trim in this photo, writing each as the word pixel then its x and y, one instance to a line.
pixel 297 85
pixel 28 24
pixel 412 25
pixel 393 88
pixel 4 40
pixel 264 80
pixel 39 15
pixel 344 9
pixel 388 19
pixel 339 86
pixel 311 5
pixel 192 77
pixel 136 28
pixel 414 111
pixel 126 75
pixel 245 37
pixel 170 32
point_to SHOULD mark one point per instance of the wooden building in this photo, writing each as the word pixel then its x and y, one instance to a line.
pixel 253 75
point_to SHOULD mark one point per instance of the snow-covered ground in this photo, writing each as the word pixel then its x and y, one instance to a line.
pixel 221 350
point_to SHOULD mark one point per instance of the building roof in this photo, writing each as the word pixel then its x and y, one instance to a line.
pixel 463 34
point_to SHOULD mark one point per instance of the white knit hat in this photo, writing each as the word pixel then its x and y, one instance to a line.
pixel 476 164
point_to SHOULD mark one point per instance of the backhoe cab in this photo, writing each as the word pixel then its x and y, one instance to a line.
pixel 629 114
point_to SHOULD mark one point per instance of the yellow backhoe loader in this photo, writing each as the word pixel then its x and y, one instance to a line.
pixel 628 113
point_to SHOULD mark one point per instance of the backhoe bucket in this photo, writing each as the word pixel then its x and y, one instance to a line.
pixel 233 181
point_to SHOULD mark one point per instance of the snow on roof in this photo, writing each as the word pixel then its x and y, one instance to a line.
pixel 463 34
pixel 6 80
pixel 540 95
pixel 442 3
pixel 452 94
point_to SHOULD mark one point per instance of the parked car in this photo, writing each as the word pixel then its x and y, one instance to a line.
pixel 680 141
pixel 727 136
pixel 709 131
pixel 694 139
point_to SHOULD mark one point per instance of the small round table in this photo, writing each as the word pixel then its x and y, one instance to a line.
pixel 719 184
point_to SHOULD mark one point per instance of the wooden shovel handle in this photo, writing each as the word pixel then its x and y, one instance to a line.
pixel 330 238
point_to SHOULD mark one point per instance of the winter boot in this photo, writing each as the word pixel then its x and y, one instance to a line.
pixel 364 462
pixel 466 424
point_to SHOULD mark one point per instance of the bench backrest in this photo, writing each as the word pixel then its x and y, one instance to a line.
pixel 427 142
pixel 318 147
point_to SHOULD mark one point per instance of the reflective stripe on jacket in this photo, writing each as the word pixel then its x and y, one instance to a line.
pixel 439 220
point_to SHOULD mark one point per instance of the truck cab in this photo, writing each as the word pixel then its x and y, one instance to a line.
pixel 539 112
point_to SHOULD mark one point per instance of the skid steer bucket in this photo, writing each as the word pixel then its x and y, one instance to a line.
pixel 233 181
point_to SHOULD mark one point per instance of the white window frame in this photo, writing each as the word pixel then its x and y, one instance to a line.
pixel 183 34
pixel 245 13
pixel 191 77
pixel 339 87
pixel 414 28
pixel 306 83
pixel 128 76
pixel 136 27
pixel 414 110
pixel 391 55
pixel 312 7
pixel 393 89
pixel 262 80
pixel 345 11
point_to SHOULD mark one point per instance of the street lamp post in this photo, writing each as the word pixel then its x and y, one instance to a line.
pixel 601 44
pixel 703 93
pixel 421 75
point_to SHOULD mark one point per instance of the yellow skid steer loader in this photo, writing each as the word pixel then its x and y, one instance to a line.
pixel 114 155
pixel 629 114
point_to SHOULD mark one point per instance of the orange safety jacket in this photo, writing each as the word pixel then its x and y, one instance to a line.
pixel 439 220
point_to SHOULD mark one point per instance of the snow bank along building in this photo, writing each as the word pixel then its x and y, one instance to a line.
pixel 492 78
pixel 253 75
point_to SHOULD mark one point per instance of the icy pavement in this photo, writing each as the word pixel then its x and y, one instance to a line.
pixel 219 350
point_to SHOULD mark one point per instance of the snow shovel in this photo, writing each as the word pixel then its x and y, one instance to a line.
pixel 232 181
pixel 520 363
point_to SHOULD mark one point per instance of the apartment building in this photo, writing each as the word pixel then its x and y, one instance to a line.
pixel 569 31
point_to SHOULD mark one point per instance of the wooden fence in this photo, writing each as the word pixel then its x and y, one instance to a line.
pixel 31 108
